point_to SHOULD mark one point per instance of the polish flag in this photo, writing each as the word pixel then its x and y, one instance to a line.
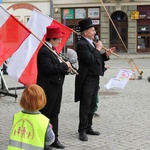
pixel 12 34
pixel 23 64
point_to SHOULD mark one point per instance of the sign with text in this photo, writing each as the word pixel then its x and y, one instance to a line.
pixel 68 13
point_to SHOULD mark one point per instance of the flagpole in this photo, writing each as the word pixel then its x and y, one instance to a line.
pixel 54 53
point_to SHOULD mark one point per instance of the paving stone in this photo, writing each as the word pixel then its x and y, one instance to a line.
pixel 124 121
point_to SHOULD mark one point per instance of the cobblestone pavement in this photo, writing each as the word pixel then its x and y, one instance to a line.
pixel 124 121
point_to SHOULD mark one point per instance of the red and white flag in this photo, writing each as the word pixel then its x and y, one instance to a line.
pixel 23 64
pixel 12 34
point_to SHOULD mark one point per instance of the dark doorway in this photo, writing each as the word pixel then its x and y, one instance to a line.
pixel 121 22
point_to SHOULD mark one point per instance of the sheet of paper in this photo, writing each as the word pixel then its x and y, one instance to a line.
pixel 121 79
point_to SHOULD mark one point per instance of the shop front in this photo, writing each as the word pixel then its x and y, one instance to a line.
pixel 132 35
pixel 143 29
pixel 71 16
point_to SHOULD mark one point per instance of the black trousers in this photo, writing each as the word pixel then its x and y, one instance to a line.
pixel 88 102
pixel 52 108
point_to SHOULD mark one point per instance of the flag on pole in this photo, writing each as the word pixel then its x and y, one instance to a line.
pixel 23 64
pixel 12 34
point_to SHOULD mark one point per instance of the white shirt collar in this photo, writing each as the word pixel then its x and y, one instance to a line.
pixel 90 41
pixel 49 44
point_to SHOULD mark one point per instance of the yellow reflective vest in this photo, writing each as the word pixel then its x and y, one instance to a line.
pixel 28 131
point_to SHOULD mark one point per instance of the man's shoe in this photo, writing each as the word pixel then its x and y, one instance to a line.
pixel 57 144
pixel 96 115
pixel 5 72
pixel 83 136
pixel 92 132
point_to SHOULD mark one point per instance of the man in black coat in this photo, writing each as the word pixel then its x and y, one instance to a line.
pixel 51 73
pixel 91 66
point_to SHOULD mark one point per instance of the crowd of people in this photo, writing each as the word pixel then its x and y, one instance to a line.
pixel 37 125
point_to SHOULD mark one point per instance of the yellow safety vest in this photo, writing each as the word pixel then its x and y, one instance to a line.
pixel 28 132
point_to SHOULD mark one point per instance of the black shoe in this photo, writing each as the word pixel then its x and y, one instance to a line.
pixel 57 144
pixel 6 73
pixel 92 132
pixel 83 136
pixel 96 115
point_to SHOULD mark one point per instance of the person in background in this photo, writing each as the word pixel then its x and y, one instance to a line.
pixel 51 74
pixel 97 99
pixel 91 66
pixel 31 129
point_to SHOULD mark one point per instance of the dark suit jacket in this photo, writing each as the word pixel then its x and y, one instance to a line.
pixel 49 69
pixel 91 62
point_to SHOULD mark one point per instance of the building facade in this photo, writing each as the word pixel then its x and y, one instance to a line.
pixel 124 24
pixel 23 9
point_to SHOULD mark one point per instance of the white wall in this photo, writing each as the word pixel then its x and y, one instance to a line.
pixel 23 14
pixel 74 1
pixel 96 1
